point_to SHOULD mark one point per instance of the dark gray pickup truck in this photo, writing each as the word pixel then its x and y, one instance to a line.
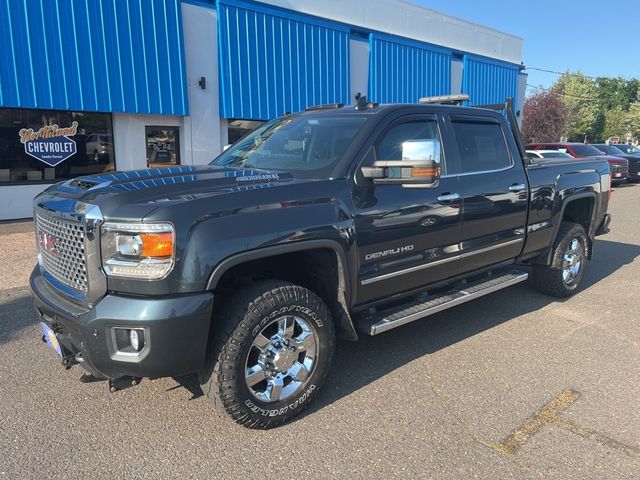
pixel 335 222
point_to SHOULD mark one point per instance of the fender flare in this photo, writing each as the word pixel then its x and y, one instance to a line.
pixel 345 323
pixel 567 201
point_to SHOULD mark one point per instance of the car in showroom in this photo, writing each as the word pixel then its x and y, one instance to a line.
pixel 620 151
pixel 619 166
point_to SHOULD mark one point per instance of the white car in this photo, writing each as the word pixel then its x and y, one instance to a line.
pixel 547 154
pixel 99 147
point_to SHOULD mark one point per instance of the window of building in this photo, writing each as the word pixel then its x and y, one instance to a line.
pixel 53 145
pixel 163 146
pixel 239 128
pixel 481 145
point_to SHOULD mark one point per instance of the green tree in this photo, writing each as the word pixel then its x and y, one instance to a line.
pixel 585 118
pixel 617 92
pixel 616 123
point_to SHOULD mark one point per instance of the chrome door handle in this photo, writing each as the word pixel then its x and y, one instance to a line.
pixel 517 187
pixel 448 197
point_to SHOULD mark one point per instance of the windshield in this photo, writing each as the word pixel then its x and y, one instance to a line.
pixel 305 146
pixel 610 149
pixel 630 149
pixel 586 150
pixel 555 155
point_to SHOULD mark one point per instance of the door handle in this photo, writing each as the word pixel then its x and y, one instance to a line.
pixel 517 187
pixel 448 197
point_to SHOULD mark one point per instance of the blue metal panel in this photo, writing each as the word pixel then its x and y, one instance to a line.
pixel 402 70
pixel 93 55
pixel 489 81
pixel 274 61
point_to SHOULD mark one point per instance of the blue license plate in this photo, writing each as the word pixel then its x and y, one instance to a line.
pixel 50 338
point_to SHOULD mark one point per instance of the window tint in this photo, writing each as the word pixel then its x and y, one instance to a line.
pixel 481 145
pixel 586 150
pixel 398 140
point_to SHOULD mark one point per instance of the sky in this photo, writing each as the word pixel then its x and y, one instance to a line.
pixel 561 34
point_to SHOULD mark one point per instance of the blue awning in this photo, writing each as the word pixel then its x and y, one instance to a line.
pixel 489 81
pixel 273 61
pixel 403 70
pixel 106 56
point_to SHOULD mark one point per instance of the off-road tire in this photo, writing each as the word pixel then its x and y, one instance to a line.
pixel 234 329
pixel 548 278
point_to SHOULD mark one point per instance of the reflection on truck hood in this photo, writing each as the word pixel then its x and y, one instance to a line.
pixel 138 192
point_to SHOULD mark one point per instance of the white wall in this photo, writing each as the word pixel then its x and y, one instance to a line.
pixel 16 201
pixel 130 139
pixel 201 52
pixel 403 18
pixel 358 68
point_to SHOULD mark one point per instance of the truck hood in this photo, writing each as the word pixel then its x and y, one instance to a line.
pixel 135 194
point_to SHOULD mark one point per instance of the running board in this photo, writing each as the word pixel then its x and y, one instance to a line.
pixel 408 312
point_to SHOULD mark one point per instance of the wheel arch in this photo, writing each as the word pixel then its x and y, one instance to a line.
pixel 291 252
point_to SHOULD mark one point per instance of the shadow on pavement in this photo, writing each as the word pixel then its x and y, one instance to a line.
pixel 358 364
pixel 16 312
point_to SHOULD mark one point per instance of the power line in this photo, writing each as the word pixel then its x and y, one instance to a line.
pixel 563 73
pixel 560 94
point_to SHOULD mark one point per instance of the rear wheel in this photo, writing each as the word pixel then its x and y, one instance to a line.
pixel 276 341
pixel 563 276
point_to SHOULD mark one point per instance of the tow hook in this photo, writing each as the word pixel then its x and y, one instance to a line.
pixel 121 383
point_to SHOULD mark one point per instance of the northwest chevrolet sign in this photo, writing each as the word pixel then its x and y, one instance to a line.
pixel 51 144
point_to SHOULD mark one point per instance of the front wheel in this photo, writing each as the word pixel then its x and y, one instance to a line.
pixel 563 276
pixel 274 349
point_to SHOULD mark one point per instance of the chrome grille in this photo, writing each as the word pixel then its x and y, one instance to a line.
pixel 61 250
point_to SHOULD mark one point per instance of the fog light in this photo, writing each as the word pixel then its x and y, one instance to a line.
pixel 134 338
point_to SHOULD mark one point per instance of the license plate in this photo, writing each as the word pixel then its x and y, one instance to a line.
pixel 50 338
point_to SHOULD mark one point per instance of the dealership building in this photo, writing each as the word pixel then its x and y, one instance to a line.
pixel 100 85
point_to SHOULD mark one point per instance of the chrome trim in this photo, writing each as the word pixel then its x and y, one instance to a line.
pixel 480 172
pixel 519 187
pixel 435 263
pixel 367 281
pixel 491 247
pixel 450 197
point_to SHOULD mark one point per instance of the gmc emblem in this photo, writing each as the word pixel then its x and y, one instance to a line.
pixel 49 243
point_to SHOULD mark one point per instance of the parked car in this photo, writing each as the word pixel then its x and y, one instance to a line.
pixel 628 148
pixel 619 166
pixel 547 154
pixel 324 223
pixel 620 151
pixel 99 147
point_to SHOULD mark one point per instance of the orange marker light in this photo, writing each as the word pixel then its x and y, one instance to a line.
pixel 424 171
pixel 157 244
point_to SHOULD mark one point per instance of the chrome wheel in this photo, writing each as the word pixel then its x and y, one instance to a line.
pixel 572 261
pixel 281 359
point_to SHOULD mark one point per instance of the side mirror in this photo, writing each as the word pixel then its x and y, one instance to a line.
pixel 419 167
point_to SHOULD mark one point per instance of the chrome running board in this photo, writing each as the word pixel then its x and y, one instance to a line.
pixel 408 312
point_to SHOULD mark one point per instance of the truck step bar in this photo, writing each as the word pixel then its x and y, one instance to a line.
pixel 408 312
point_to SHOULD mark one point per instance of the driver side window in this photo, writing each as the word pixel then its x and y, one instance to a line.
pixel 399 143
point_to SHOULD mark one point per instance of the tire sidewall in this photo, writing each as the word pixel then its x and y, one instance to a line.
pixel 576 231
pixel 317 317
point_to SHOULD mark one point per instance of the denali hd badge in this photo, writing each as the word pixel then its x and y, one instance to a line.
pixel 386 253
pixel 259 177
pixel 51 144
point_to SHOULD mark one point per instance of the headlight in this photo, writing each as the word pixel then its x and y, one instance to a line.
pixel 138 250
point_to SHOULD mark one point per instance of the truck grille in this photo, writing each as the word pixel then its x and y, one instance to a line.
pixel 61 250
pixel 634 167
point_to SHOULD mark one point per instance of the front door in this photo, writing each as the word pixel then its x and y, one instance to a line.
pixel 495 190
pixel 406 237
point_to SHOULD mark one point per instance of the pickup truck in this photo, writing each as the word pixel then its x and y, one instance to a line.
pixel 335 222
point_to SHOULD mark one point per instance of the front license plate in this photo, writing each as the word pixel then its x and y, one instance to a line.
pixel 50 338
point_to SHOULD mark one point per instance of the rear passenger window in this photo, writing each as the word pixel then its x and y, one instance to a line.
pixel 481 145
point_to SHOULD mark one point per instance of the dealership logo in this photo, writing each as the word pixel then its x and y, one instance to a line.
pixel 49 243
pixel 51 144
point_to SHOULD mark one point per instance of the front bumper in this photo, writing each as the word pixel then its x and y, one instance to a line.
pixel 177 326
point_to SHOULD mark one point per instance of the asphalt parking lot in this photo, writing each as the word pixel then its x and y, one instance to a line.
pixel 513 385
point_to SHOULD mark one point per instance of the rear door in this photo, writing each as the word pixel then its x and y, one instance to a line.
pixel 406 237
pixel 495 186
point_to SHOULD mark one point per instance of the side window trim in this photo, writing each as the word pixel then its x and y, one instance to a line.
pixel 452 118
